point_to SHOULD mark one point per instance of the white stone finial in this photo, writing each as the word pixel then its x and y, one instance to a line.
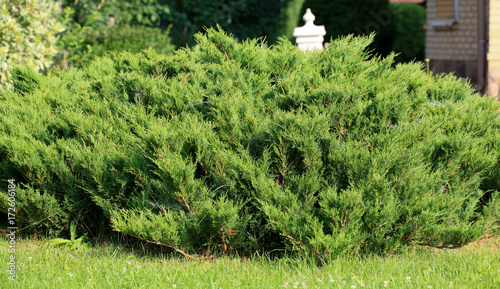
pixel 309 17
pixel 309 36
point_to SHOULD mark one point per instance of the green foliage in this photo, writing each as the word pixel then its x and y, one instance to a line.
pixel 25 79
pixel 243 148
pixel 244 18
pixel 90 33
pixel 358 17
pixel 129 38
pixel 409 36
pixel 289 18
pixel 124 12
pixel 491 211
pixel 74 243
pixel 28 31
pixel 40 212
pixel 398 26
pixel 72 49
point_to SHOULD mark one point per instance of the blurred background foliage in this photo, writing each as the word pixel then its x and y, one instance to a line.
pixel 398 26
pixel 95 27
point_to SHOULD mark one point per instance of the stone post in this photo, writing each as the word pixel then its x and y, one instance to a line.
pixel 494 82
pixel 309 36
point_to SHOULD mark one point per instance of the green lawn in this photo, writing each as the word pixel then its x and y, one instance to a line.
pixel 474 266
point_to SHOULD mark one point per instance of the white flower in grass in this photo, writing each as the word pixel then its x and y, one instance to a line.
pixel 331 280
pixel 385 283
pixel 30 258
pixel 408 278
pixel 429 286
pixel 128 262
pixel 70 275
pixel 353 286
pixel 175 285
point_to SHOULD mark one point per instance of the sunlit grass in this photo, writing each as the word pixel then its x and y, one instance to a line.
pixel 474 266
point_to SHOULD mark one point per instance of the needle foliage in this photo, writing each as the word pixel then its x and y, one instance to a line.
pixel 243 148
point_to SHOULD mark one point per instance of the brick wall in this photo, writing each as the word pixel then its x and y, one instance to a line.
pixel 494 48
pixel 458 44
pixel 494 34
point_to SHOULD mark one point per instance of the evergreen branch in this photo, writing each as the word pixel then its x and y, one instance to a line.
pixel 221 187
pixel 223 50
pixel 186 205
pixel 295 241
pixel 27 206
pixel 318 254
pixel 161 244
pixel 304 203
pixel 410 237
pixel 383 224
pixel 441 246
pixel 290 237
pixel 416 140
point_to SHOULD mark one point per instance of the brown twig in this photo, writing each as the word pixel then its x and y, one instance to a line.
pixel 162 244
pixel 383 224
pixel 295 241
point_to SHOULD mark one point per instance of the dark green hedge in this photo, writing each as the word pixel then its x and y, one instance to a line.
pixel 244 18
pixel 150 13
pixel 358 17
pixel 398 26
pixel 129 38
pixel 409 36
pixel 241 148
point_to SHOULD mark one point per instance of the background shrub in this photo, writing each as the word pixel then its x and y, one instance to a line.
pixel 28 31
pixel 409 35
pixel 392 23
pixel 398 26
pixel 244 19
pixel 129 38
pixel 148 13
pixel 243 148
